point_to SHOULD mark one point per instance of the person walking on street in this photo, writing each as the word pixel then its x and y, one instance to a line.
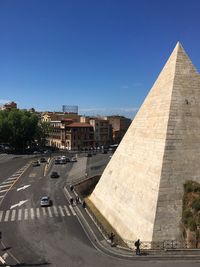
pixel 137 245
pixel 77 200
pixel 71 200
pixel 111 237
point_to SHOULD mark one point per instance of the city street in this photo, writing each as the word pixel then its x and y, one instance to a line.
pixel 41 236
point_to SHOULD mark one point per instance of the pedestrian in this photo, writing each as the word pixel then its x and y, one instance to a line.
pixel 83 204
pixel 71 187
pixel 112 238
pixel 137 245
pixel 71 200
pixel 77 199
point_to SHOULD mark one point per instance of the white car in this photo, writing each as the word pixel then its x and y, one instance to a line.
pixel 45 201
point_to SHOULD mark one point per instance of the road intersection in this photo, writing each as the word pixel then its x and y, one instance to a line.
pixel 36 236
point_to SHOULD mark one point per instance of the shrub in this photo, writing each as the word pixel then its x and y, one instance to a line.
pixel 191 186
pixel 196 204
pixel 192 224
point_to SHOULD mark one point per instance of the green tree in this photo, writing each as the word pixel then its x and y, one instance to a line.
pixel 18 128
pixel 43 130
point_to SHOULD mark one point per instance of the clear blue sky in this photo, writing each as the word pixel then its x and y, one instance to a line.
pixel 102 55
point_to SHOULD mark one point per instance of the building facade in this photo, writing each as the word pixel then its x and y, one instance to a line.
pixel 102 130
pixel 70 135
pixel 120 125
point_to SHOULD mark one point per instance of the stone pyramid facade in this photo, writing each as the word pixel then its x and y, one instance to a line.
pixel 140 191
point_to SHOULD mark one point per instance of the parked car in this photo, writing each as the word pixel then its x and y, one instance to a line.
pixel 54 175
pixel 89 155
pixel 36 163
pixel 45 201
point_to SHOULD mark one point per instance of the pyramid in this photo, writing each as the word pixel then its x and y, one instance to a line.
pixel 140 191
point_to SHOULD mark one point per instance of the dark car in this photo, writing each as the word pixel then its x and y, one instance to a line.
pixel 42 160
pixel 54 175
pixel 36 163
pixel 89 155
pixel 57 161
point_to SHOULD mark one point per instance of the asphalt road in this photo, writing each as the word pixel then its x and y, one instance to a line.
pixel 35 236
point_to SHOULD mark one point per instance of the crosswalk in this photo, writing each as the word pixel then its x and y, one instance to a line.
pixel 8 183
pixel 24 214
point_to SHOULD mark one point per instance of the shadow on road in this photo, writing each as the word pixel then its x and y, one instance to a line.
pixel 31 264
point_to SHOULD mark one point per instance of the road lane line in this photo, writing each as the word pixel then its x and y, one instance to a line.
pixel 61 211
pixel 14 175
pixel 7 216
pixel 1 215
pixel 67 211
pixel 13 215
pixel 44 211
pixel 3 186
pixel 5 190
pixel 72 210
pixel 49 210
pixel 38 213
pixel 7 182
pixel 32 213
pixel 19 214
pixel 55 211
pixel 26 214
pixel 12 178
pixel 1 196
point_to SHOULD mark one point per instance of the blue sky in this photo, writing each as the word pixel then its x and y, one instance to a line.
pixel 102 55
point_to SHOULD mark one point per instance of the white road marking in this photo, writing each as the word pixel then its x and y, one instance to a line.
pixel 26 214
pixel 7 182
pixel 13 215
pixel 37 212
pixel 1 196
pixel 72 210
pixel 61 211
pixel 2 260
pixel 19 214
pixel 44 211
pixel 14 175
pixel 1 215
pixel 49 210
pixel 32 213
pixel 67 211
pixel 5 190
pixel 3 186
pixel 19 204
pixel 12 178
pixel 23 187
pixel 55 211
pixel 7 216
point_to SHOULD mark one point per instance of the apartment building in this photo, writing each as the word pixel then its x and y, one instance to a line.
pixel 67 134
pixel 120 125
pixel 102 130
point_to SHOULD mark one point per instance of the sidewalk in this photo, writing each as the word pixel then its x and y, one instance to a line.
pixel 101 242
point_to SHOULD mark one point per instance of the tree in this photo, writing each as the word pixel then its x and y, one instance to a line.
pixel 43 130
pixel 18 128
